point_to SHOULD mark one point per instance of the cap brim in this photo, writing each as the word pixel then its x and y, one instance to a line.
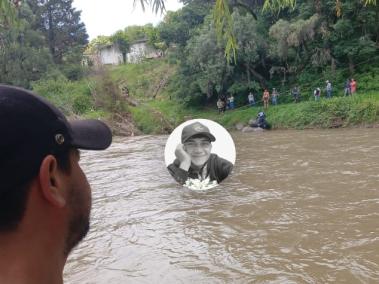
pixel 207 134
pixel 90 134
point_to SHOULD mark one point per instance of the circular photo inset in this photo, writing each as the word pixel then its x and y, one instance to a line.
pixel 200 154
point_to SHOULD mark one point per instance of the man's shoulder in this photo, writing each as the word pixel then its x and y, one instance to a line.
pixel 219 167
pixel 217 159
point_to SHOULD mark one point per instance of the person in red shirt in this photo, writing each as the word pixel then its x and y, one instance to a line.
pixel 353 86
pixel 266 98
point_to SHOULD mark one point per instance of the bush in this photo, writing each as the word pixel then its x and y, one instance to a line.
pixel 70 97
pixel 73 71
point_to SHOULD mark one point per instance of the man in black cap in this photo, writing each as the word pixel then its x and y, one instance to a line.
pixel 45 198
pixel 194 158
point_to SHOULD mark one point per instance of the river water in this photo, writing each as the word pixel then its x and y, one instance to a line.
pixel 300 207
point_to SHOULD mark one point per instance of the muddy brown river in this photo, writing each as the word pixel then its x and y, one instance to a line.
pixel 300 207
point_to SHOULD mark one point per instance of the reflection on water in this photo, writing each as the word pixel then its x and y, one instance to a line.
pixel 300 207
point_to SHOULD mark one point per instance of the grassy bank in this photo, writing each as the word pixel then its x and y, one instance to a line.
pixel 360 110
pixel 161 114
pixel 100 95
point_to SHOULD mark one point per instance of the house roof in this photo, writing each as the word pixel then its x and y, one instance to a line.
pixel 141 40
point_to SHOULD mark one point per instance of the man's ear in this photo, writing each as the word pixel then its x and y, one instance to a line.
pixel 51 182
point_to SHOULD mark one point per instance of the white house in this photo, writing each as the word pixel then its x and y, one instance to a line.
pixel 140 50
pixel 111 54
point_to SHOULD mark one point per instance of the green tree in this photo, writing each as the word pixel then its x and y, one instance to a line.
pixel 177 27
pixel 354 36
pixel 60 23
pixel 8 11
pixel 223 20
pixel 23 56
pixel 122 42
pixel 252 45
pixel 204 63
pixel 98 42
pixel 134 33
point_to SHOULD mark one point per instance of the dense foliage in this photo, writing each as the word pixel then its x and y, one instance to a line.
pixel 278 44
pixel 41 39
pixel 304 45
pixel 24 56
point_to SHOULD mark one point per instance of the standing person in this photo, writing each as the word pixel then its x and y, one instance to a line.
pixel 317 94
pixel 194 158
pixel 266 98
pixel 220 106
pixel 274 97
pixel 353 86
pixel 231 102
pixel 227 103
pixel 224 102
pixel 296 94
pixel 251 99
pixel 45 198
pixel 328 89
pixel 347 88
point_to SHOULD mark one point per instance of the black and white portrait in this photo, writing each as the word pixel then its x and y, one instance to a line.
pixel 200 154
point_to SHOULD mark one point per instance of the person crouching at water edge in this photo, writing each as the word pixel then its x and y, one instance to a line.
pixel 45 198
pixel 194 159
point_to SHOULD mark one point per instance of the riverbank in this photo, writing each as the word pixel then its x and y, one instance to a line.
pixel 359 110
pixel 140 99
pixel 159 112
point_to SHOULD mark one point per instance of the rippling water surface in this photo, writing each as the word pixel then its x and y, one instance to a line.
pixel 300 207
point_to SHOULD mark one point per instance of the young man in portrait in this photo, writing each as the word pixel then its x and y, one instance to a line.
pixel 194 158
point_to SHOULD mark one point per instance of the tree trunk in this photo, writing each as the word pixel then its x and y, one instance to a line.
pixel 318 6
pixel 284 76
pixel 333 66
pixel 246 6
pixel 51 33
pixel 209 90
pixel 351 65
pixel 247 73
pixel 260 78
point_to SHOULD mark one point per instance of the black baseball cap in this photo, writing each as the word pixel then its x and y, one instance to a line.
pixel 31 128
pixel 196 129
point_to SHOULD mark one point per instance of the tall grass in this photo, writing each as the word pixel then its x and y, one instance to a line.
pixel 143 79
pixel 336 112
pixel 72 97
pixel 326 113
pixel 100 96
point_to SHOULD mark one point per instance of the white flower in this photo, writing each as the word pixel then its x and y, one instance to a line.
pixel 196 184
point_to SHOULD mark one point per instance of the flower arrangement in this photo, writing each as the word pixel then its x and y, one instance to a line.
pixel 196 184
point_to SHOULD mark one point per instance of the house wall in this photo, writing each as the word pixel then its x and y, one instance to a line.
pixel 139 51
pixel 111 55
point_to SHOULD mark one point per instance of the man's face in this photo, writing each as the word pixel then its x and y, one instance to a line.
pixel 79 204
pixel 199 150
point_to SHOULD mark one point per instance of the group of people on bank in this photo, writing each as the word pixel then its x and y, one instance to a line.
pixel 224 103
pixel 350 88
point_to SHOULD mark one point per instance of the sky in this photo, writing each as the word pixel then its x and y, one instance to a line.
pixel 105 17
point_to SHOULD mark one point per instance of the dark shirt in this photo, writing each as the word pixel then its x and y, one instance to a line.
pixel 217 168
